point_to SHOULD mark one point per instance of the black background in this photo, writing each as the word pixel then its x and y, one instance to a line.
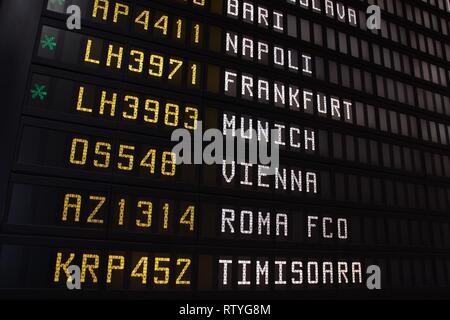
pixel 20 21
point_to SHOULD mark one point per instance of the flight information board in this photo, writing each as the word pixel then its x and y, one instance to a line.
pixel 357 204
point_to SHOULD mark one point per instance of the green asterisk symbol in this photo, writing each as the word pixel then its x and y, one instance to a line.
pixel 39 91
pixel 48 43
pixel 60 2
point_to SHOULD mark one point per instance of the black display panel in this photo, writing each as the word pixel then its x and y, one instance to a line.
pixel 90 177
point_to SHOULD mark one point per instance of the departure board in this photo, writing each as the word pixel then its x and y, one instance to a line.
pixel 314 162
